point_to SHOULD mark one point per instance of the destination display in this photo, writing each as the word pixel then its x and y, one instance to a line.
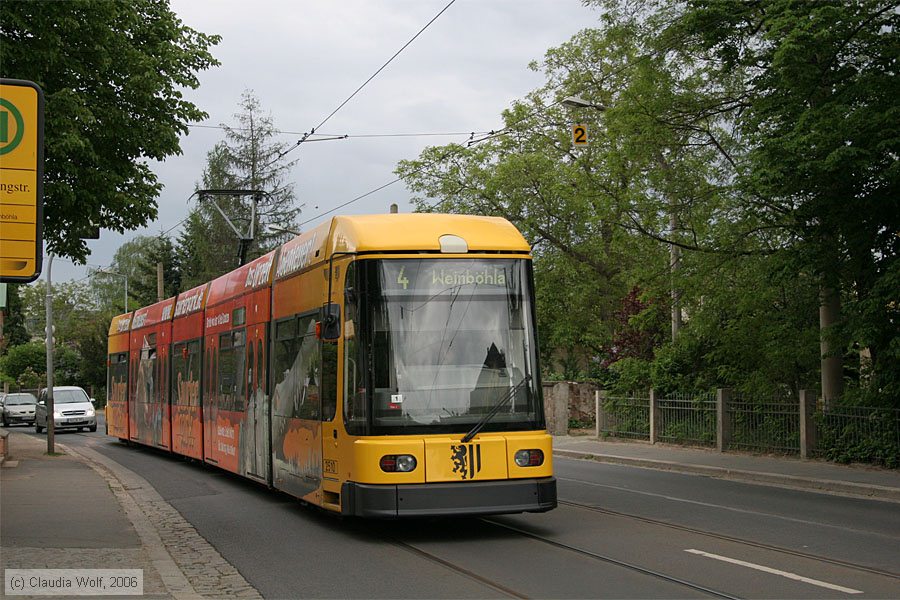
pixel 428 277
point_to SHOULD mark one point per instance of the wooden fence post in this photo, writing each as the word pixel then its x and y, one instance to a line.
pixel 807 424
pixel 723 419
pixel 654 416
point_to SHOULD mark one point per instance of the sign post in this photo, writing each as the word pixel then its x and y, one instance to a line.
pixel 579 135
pixel 21 180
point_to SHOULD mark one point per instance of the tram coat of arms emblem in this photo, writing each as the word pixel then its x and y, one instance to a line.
pixel 466 460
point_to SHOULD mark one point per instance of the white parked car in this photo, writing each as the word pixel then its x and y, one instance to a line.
pixel 17 408
pixel 72 409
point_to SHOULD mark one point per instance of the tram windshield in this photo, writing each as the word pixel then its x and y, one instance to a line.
pixel 450 339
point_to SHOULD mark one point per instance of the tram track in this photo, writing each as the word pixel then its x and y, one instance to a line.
pixel 736 540
pixel 497 587
pixel 613 561
pixel 507 591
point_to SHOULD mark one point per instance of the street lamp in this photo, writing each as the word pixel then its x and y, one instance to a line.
pixel 579 102
pixel 106 272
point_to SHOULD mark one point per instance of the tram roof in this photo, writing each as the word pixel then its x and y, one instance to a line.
pixel 120 324
pixel 254 275
pixel 153 314
pixel 423 232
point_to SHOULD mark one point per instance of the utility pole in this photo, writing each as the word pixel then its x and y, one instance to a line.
pixel 159 282
pixel 51 422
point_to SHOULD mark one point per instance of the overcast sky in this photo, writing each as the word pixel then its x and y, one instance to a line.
pixel 303 58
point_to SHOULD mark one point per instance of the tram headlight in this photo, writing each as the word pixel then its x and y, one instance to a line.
pixel 406 463
pixel 529 458
pixel 397 463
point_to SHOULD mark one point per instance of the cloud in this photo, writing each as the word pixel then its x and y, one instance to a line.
pixel 303 58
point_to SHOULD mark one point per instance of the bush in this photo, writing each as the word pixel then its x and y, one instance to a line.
pixel 870 439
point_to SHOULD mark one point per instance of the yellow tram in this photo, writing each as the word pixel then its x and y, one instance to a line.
pixel 377 366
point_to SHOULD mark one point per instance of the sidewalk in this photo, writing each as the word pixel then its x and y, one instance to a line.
pixel 84 511
pixel 821 476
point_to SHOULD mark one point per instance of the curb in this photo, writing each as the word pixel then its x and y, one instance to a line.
pixel 189 566
pixel 176 583
pixel 864 490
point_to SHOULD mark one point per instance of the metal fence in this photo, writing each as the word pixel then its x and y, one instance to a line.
pixel 859 434
pixel 772 427
pixel 626 417
pixel 780 425
pixel 687 419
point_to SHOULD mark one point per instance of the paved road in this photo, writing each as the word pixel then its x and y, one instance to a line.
pixel 620 532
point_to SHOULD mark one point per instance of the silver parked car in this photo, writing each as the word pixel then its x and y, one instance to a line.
pixel 18 408
pixel 72 409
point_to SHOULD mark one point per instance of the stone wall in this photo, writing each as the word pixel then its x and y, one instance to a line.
pixel 565 401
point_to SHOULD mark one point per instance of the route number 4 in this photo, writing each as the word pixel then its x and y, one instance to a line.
pixel 579 135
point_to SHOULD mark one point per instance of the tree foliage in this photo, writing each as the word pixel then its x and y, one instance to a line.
pixel 249 158
pixel 81 321
pixel 760 139
pixel 14 332
pixel 822 126
pixel 112 74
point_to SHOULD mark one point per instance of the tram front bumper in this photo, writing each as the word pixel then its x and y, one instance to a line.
pixel 448 499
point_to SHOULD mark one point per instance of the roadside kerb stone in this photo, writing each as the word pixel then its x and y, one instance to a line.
pixel 189 566
pixel 789 481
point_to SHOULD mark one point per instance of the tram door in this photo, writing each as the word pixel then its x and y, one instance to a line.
pixel 296 406
pixel 332 429
pixel 256 447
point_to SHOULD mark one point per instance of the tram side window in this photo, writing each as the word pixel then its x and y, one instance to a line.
pixel 206 373
pixel 147 377
pixel 297 365
pixel 186 374
pixel 308 365
pixel 260 368
pixel 251 364
pixel 354 388
pixel 159 379
pixel 178 367
pixel 118 376
pixel 132 378
pixel 239 400
pixel 284 351
pixel 329 379
pixel 226 372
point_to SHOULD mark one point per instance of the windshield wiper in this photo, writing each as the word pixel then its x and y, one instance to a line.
pixel 494 410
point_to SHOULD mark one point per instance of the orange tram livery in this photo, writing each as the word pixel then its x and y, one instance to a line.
pixel 376 366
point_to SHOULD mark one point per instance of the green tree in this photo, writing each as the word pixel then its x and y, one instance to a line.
pixel 112 73
pixel 14 332
pixel 657 202
pixel 250 158
pixel 82 324
pixel 819 116
pixel 32 355
pixel 137 259
pixel 90 343
pixel 22 363
pixel 600 217
pixel 143 288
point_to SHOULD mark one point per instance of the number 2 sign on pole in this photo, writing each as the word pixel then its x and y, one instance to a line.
pixel 579 135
